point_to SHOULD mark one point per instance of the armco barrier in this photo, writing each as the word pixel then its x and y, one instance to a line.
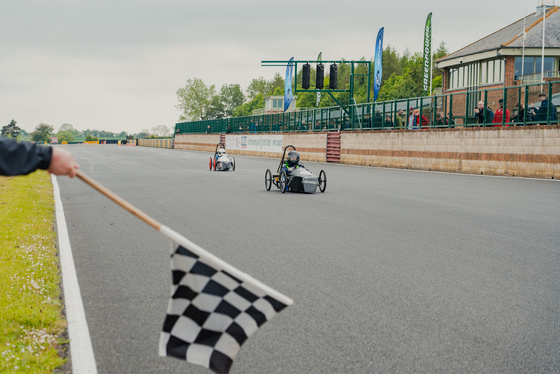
pixel 158 143
pixel 527 151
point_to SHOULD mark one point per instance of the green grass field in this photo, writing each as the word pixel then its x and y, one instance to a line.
pixel 31 320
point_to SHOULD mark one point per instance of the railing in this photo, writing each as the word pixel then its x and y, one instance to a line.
pixel 439 111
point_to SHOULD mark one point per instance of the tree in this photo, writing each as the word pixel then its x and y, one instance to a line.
pixel 66 127
pixel 161 130
pixel 439 53
pixel 143 134
pixel 194 100
pixel 247 108
pixel 231 97
pixel 256 87
pixel 65 136
pixel 278 82
pixel 391 63
pixel 11 130
pixel 216 108
pixel 42 133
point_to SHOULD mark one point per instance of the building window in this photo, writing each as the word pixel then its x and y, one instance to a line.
pixel 533 65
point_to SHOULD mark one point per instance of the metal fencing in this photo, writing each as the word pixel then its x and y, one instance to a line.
pixel 520 103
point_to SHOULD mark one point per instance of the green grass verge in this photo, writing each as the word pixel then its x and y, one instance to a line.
pixel 31 320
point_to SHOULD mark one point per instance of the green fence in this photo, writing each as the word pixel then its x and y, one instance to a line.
pixel 438 111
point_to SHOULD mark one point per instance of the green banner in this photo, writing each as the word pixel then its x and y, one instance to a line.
pixel 427 52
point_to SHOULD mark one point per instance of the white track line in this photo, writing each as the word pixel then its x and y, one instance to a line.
pixel 81 350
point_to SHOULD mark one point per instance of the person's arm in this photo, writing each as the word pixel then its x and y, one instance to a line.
pixel 25 157
pixel 507 115
pixel 22 158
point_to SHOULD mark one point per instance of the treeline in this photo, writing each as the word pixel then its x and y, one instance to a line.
pixel 402 78
pixel 67 132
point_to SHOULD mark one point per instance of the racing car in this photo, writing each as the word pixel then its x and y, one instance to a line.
pixel 296 178
pixel 221 161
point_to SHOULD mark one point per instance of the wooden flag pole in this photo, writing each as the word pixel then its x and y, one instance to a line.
pixel 119 200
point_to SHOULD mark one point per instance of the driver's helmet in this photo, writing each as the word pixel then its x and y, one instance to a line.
pixel 293 158
pixel 221 152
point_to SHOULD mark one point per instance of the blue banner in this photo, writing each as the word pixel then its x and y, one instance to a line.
pixel 378 65
pixel 288 96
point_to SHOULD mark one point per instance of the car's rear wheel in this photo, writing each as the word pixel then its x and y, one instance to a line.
pixel 232 164
pixel 210 163
pixel 215 162
pixel 322 181
pixel 283 181
pixel 268 179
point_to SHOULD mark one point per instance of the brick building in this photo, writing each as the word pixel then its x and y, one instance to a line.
pixel 496 61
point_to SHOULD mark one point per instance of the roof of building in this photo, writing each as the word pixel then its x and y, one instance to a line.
pixel 512 36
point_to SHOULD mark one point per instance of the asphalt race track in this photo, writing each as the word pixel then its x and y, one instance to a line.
pixel 391 271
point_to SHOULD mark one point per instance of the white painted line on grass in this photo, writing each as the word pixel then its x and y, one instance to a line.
pixel 81 350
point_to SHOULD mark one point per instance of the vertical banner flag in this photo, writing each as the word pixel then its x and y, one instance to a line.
pixel 378 65
pixel 427 52
pixel 319 58
pixel 214 307
pixel 288 96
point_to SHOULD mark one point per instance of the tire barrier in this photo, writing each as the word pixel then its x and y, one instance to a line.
pixel 157 143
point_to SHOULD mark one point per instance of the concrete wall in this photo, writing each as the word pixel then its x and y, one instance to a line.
pixel 530 151
pixel 311 146
pixel 197 142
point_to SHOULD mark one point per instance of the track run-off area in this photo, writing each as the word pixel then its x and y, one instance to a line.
pixel 391 271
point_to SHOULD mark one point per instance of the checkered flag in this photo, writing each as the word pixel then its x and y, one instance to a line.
pixel 214 308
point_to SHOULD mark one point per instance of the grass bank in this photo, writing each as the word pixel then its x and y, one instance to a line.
pixel 31 320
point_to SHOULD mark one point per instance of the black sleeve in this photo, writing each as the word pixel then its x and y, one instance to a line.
pixel 22 158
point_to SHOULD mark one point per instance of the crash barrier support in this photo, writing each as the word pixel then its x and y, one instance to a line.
pixel 439 111
pixel 158 143
pixel 527 151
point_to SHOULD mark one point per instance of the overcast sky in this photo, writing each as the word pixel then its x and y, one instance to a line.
pixel 116 64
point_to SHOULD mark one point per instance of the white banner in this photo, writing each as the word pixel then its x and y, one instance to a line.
pixel 258 143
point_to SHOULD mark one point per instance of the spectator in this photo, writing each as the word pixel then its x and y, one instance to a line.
pixel 410 117
pixel 208 129
pixel 480 110
pixel 240 128
pixel 228 131
pixel 416 122
pixel 498 116
pixel 345 125
pixel 25 157
pixel 520 116
pixel 541 113
pixel 388 122
pixel 367 121
pixel 377 120
pixel 441 120
pixel 399 120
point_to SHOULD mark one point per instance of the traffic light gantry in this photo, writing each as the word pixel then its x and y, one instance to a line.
pixel 320 77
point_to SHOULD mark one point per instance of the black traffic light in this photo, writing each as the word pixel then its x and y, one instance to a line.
pixel 306 73
pixel 320 77
pixel 333 82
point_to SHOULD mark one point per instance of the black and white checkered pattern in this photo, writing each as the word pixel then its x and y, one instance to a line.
pixel 211 313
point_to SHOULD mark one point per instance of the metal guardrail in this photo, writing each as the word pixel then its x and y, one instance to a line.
pixel 439 111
